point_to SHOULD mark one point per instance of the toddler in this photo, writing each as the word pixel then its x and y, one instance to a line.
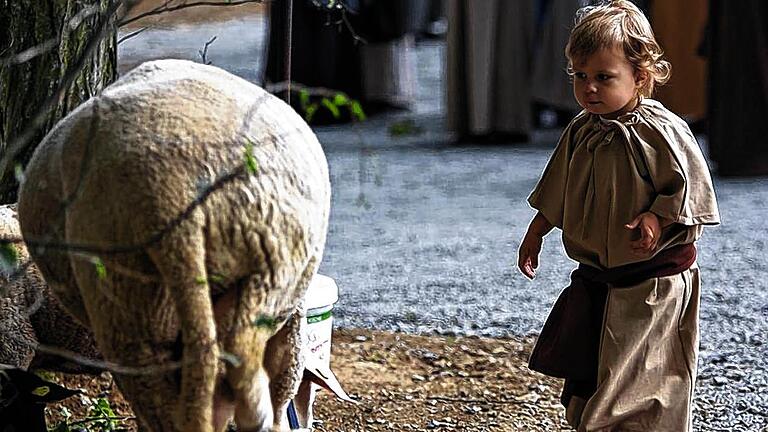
pixel 630 190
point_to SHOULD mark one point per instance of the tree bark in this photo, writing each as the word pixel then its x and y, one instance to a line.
pixel 24 87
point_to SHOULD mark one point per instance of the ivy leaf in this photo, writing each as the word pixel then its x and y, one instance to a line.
pixel 251 165
pixel 216 278
pixel 309 113
pixel 405 127
pixel 9 257
pixel 18 172
pixel 304 98
pixel 265 321
pixel 202 280
pixel 101 270
pixel 340 99
pixel 357 110
pixel 331 107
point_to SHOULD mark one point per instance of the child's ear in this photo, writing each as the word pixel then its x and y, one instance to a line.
pixel 641 77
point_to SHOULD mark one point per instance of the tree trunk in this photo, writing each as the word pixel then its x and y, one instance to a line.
pixel 25 87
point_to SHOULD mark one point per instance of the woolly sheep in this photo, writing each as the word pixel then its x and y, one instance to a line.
pixel 166 143
pixel 31 315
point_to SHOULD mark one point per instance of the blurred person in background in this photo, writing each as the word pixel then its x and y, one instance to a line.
pixel 488 69
pixel 738 87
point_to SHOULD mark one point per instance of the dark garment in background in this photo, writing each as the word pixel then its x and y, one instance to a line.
pixel 569 344
pixel 383 21
pixel 738 86
pixel 321 55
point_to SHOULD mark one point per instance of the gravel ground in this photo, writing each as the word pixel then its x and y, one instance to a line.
pixel 424 234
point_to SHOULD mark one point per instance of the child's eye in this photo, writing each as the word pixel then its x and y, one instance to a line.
pixel 603 77
pixel 580 75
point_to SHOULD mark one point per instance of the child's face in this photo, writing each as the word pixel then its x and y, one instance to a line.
pixel 606 83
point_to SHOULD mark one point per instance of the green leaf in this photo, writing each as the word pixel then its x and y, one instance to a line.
pixel 62 426
pixel 340 99
pixel 405 127
pixel 18 172
pixel 202 280
pixel 101 270
pixel 357 110
pixel 251 164
pixel 304 98
pixel 309 113
pixel 101 414
pixel 331 107
pixel 9 257
pixel 265 321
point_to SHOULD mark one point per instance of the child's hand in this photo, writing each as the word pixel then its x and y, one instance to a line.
pixel 528 255
pixel 650 232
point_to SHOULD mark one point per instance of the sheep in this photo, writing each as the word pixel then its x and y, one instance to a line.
pixel 30 315
pixel 180 216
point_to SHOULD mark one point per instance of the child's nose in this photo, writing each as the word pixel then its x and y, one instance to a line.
pixel 591 87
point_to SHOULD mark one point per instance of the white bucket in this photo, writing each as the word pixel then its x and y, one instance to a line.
pixel 321 295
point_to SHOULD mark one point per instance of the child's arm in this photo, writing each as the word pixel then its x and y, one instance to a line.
pixel 650 225
pixel 528 255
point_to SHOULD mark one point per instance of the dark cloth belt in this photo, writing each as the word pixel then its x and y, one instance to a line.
pixel 569 344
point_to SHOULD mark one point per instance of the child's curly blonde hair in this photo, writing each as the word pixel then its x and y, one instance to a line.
pixel 619 23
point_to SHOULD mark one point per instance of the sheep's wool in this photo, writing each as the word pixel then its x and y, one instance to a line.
pixel 201 202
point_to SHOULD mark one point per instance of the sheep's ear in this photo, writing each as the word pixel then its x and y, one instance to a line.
pixel 322 375
pixel 35 389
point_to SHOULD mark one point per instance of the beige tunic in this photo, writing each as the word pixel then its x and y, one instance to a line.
pixel 600 177
pixel 604 173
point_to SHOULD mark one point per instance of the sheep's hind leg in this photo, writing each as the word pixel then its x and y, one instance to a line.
pixel 180 258
pixel 285 355
pixel 251 327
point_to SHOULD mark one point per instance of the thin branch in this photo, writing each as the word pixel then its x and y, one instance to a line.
pixel 37 50
pixel 19 143
pixel 297 87
pixel 348 24
pixel 132 34
pixel 107 365
pixel 30 53
pixel 126 370
pixel 158 236
pixel 97 419
pixel 164 8
pixel 288 49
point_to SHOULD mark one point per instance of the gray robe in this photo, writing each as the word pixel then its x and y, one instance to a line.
pixel 488 66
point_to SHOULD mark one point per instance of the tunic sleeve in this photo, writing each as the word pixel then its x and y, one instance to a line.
pixel 548 197
pixel 677 169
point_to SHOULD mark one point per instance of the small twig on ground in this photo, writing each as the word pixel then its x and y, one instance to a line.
pixel 204 52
